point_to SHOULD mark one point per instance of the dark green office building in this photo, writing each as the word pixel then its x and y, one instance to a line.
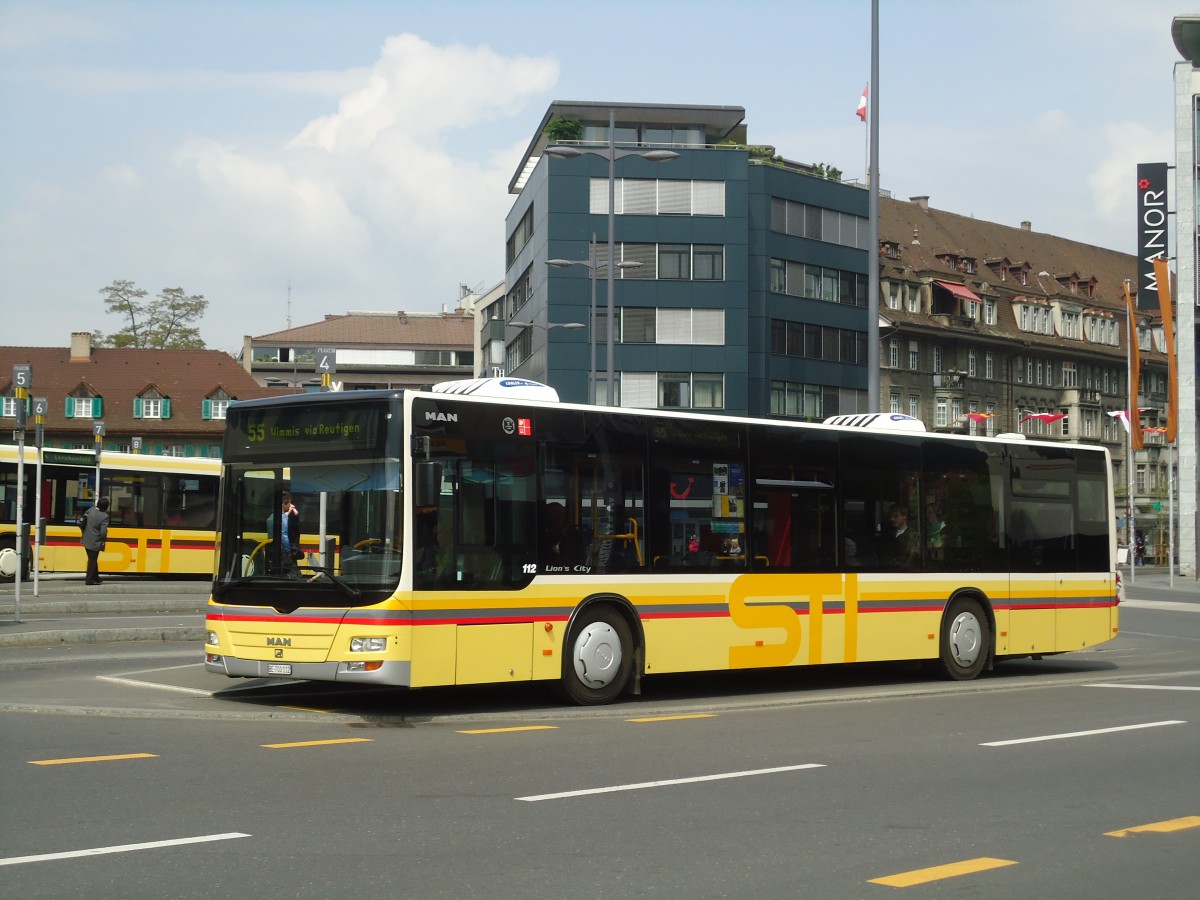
pixel 740 284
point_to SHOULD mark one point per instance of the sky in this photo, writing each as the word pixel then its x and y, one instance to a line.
pixel 289 160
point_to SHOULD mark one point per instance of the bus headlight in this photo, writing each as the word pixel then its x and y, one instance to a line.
pixel 211 639
pixel 368 644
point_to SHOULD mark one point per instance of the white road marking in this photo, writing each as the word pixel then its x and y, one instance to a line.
pixel 1148 687
pixel 195 692
pixel 1059 737
pixel 671 781
pixel 1173 605
pixel 121 848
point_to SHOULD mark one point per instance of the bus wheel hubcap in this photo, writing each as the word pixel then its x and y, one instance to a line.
pixel 965 640
pixel 597 654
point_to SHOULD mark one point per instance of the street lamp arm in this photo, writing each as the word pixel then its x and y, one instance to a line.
pixel 548 326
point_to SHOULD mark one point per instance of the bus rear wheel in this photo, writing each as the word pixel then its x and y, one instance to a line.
pixel 9 562
pixel 599 657
pixel 966 640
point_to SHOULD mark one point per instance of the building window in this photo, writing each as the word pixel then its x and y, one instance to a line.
pixel 1070 375
pixel 708 262
pixel 937 360
pixel 520 237
pixel 972 362
pixel 893 295
pixel 638 325
pixel 989 365
pixel 989 312
pixel 939 420
pixel 151 408
pixel 894 402
pixel 914 405
pixel 894 353
pixel 778 276
pixel 673 262
pixel 914 356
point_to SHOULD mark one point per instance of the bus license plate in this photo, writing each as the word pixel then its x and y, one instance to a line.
pixel 279 669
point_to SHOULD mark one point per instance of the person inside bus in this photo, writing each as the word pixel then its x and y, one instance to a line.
pixel 901 547
pixel 935 531
pixel 94 537
pixel 561 544
pixel 289 534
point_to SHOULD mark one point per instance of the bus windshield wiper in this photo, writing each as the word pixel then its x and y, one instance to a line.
pixel 346 587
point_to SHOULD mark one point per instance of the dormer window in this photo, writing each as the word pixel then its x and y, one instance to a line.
pixel 151 404
pixel 215 404
pixel 891 249
pixel 966 265
pixel 84 404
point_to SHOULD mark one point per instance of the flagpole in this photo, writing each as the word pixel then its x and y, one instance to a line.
pixel 1131 391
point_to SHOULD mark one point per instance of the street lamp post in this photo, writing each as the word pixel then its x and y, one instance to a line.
pixel 592 263
pixel 611 154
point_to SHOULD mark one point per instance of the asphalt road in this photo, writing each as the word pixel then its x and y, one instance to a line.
pixel 129 772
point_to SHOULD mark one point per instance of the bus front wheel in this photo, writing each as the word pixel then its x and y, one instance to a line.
pixel 599 657
pixel 966 639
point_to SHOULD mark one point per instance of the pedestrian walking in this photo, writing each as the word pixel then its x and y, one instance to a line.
pixel 95 536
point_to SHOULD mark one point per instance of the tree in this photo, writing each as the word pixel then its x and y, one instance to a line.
pixel 166 323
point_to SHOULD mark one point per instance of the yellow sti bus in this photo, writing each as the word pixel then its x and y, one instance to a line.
pixel 451 537
pixel 162 511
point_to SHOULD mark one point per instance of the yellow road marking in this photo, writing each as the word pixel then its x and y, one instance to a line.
pixel 87 759
pixel 937 873
pixel 505 730
pixel 674 718
pixel 307 709
pixel 1158 827
pixel 318 743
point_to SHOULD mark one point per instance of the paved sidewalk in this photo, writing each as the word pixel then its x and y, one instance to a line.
pixel 66 611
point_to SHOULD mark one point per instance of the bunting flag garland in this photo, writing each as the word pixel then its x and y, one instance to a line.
pixel 861 112
pixel 1123 415
pixel 979 417
pixel 1045 417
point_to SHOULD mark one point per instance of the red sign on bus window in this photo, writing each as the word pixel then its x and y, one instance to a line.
pixel 524 427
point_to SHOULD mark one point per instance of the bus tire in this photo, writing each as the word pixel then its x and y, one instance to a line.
pixel 966 639
pixel 8 562
pixel 599 657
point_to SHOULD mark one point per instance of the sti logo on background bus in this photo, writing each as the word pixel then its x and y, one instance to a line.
pixel 1151 229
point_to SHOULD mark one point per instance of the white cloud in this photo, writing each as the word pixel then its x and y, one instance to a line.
pixel 1113 178
pixel 422 91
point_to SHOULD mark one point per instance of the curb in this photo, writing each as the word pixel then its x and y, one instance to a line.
pixel 102 636
pixel 93 605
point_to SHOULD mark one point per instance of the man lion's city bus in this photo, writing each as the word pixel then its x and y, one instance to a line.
pixel 482 533
pixel 162 511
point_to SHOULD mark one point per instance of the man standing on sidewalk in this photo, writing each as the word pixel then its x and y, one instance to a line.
pixel 95 536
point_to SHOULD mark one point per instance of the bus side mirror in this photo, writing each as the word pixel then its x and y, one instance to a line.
pixel 428 488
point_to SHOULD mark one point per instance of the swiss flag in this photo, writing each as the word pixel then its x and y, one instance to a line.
pixel 861 112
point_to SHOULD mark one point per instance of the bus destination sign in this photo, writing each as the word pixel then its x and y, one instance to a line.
pixel 294 429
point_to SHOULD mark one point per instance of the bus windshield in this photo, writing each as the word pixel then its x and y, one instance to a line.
pixel 323 533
